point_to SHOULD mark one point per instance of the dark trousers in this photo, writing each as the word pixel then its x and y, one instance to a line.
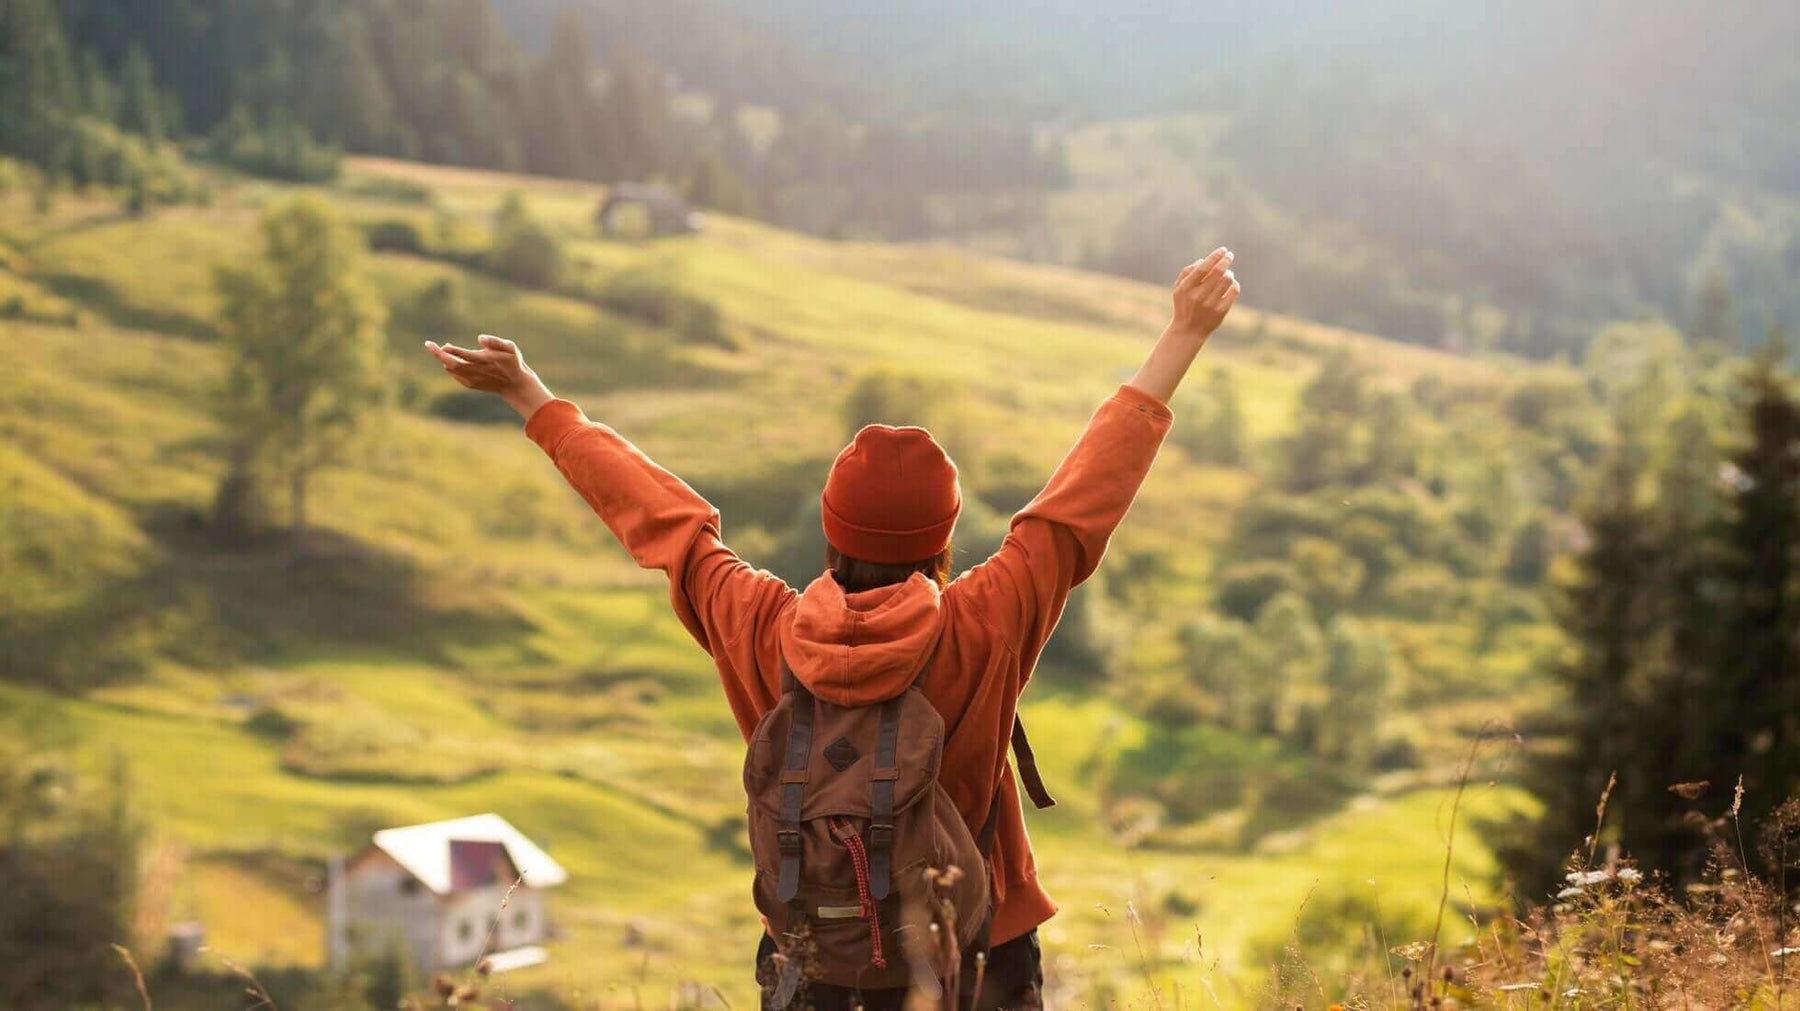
pixel 1014 981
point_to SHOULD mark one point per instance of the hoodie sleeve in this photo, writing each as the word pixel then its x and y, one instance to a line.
pixel 1057 540
pixel 663 524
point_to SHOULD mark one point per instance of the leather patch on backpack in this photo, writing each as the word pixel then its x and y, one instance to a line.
pixel 841 754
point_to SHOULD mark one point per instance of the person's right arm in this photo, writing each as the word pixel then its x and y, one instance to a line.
pixel 661 522
pixel 1057 540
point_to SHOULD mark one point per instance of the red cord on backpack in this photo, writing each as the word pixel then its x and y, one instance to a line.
pixel 859 857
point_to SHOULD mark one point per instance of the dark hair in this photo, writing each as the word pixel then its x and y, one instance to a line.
pixel 856 575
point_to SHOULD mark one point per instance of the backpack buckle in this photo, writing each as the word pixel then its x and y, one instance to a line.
pixel 788 840
pixel 881 835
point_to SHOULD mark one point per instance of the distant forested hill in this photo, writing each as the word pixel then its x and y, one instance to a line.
pixel 1449 174
pixel 281 88
pixel 1512 174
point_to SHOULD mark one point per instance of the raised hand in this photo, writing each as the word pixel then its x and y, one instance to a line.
pixel 495 366
pixel 1204 294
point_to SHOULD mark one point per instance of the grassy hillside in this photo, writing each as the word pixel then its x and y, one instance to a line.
pixel 467 638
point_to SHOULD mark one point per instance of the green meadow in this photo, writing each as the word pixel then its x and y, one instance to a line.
pixel 466 637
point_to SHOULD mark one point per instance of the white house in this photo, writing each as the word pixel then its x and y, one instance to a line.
pixel 439 888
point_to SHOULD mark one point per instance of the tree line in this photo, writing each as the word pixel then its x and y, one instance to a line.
pixel 282 89
pixel 1681 610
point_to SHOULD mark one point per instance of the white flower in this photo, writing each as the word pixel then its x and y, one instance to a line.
pixel 1630 875
pixel 1568 893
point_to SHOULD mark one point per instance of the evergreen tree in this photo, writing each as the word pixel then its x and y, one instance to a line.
pixel 98 97
pixel 353 104
pixel 1754 708
pixel 562 140
pixel 37 78
pixel 303 333
pixel 1684 656
pixel 140 107
pixel 1608 612
pixel 634 118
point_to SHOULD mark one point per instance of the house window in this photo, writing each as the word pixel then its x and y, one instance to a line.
pixel 465 931
pixel 409 886
pixel 521 919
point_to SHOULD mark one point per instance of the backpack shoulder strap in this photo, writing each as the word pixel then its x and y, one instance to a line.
pixel 793 783
pixel 1026 762
pixel 881 786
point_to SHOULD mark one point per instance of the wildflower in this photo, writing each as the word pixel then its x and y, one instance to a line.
pixel 1630 875
pixel 1569 893
pixel 1413 952
pixel 1784 952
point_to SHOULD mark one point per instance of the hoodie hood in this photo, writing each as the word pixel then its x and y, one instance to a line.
pixel 857 649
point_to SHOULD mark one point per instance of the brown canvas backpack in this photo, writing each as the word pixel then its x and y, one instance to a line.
pixel 868 876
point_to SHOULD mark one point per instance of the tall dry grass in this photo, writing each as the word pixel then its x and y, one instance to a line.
pixel 1611 936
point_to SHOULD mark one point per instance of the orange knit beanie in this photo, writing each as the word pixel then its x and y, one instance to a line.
pixel 892 496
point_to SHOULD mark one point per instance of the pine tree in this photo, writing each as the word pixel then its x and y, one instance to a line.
pixel 38 80
pixel 634 120
pixel 1684 656
pixel 1754 708
pixel 140 107
pixel 1607 611
pixel 98 97
pixel 563 140
pixel 355 103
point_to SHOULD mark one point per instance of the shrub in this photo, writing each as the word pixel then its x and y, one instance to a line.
pixel 475 408
pixel 528 256
pixel 403 191
pixel 1425 592
pixel 396 235
pixel 280 149
pixel 1245 588
pixel 440 310
pixel 650 296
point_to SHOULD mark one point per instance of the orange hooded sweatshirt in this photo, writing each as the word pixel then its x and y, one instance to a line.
pixel 861 648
